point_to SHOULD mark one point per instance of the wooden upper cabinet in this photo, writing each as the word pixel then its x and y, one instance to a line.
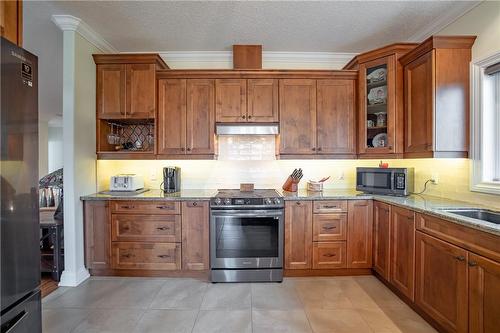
pixel 359 234
pixel 298 234
pixel 402 249
pixel 97 235
pixel 171 116
pixel 297 116
pixel 336 119
pixel 419 95
pixel 200 116
pixel 441 282
pixel 126 85
pixel 262 100
pixel 11 21
pixel 381 238
pixel 141 91
pixel 484 293
pixel 195 229
pixel 436 95
pixel 111 86
pixel 231 100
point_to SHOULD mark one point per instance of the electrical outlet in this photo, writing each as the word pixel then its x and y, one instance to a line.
pixel 152 175
pixel 341 175
pixel 435 178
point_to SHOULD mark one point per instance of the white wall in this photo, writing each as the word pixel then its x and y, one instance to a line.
pixel 55 148
pixel 43 148
pixel 482 21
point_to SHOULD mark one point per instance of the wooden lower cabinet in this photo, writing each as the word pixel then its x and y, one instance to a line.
pixel 136 228
pixel 381 238
pixel 298 234
pixel 441 282
pixel 402 235
pixel 97 234
pixel 484 294
pixel 195 232
pixel 154 256
pixel 329 227
pixel 359 234
pixel 327 255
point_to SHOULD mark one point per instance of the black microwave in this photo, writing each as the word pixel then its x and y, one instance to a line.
pixel 389 181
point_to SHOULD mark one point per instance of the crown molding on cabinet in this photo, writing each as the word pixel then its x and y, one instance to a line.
pixel 450 16
pixel 270 60
pixel 72 23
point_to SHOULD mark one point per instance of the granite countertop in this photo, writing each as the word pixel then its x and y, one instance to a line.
pixel 420 203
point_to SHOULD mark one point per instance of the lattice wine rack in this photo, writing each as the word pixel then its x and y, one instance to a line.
pixel 131 137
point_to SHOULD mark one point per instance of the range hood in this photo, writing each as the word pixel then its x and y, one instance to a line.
pixel 247 129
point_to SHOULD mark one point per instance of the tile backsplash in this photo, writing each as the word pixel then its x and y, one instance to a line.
pixel 453 174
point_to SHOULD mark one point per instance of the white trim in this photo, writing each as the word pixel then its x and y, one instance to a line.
pixel 72 23
pixel 71 279
pixel 458 9
pixel 270 59
pixel 476 179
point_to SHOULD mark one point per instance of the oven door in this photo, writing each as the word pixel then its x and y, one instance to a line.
pixel 246 239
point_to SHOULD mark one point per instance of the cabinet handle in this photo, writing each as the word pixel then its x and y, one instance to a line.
pixel 329 255
pixel 163 207
pixel 329 227
pixel 472 263
pixel 163 228
pixel 460 258
pixel 163 256
pixel 127 207
pixel 330 207
pixel 297 203
pixel 126 255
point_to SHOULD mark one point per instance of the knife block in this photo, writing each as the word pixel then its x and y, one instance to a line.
pixel 291 185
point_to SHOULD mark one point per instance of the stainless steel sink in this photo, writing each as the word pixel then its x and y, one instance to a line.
pixel 476 213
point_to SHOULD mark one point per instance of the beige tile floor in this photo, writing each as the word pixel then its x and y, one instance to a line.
pixel 335 304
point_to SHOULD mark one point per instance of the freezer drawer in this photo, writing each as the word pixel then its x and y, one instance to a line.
pixel 26 317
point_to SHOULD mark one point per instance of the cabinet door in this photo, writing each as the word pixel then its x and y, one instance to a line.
pixel 419 78
pixel 298 234
pixel 172 116
pixel 335 117
pixel 141 91
pixel 327 255
pixel 230 100
pixel 111 85
pixel 441 282
pixel 145 228
pixel 359 234
pixel 381 238
pixel 402 249
pixel 97 234
pixel 200 116
pixel 297 116
pixel 146 256
pixel 484 293
pixel 262 100
pixel 195 227
pixel 11 21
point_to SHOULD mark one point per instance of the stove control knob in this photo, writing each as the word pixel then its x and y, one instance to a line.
pixel 227 201
pixel 277 201
pixel 217 201
pixel 268 201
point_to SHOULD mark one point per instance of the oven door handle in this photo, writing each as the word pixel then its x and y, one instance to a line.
pixel 247 214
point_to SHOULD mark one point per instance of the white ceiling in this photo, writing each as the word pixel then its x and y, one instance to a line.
pixel 328 26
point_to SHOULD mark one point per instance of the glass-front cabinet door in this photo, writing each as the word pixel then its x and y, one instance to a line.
pixel 377 134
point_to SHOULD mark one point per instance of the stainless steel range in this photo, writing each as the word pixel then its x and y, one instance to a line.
pixel 246 236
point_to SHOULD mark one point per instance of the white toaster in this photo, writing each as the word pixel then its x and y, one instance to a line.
pixel 126 182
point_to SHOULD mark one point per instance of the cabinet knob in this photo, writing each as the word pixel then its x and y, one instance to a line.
pixel 243 117
pixel 460 258
pixel 313 149
pixel 472 263
pixel 297 203
pixel 182 149
pixel 195 204
pixel 249 117
pixel 319 149
pixel 189 149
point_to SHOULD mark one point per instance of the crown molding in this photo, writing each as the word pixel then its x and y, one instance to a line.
pixel 72 23
pixel 459 9
pixel 270 60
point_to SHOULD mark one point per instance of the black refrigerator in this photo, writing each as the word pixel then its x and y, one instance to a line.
pixel 19 228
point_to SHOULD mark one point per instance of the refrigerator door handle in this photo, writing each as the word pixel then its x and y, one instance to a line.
pixel 11 324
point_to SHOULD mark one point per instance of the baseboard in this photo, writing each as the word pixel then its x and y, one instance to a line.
pixel 73 279
pixel 202 275
pixel 326 272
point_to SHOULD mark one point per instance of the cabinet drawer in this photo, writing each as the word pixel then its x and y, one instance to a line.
pixel 154 228
pixel 329 227
pixel 329 255
pixel 160 256
pixel 330 206
pixel 146 207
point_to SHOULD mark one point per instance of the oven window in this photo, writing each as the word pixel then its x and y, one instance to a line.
pixel 246 237
pixel 376 179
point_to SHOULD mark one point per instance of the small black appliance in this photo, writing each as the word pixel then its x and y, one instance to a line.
pixel 171 179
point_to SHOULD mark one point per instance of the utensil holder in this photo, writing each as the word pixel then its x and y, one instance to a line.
pixel 291 185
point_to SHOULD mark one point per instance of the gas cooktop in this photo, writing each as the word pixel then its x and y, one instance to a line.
pixel 262 198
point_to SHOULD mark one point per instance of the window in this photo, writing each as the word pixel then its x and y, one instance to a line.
pixel 485 126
